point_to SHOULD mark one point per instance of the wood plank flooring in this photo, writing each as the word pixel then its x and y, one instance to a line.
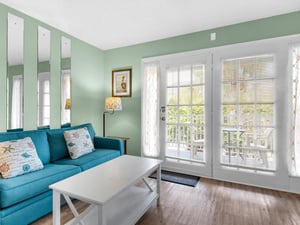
pixel 213 202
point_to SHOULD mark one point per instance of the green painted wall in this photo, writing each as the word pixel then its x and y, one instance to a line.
pixel 87 75
pixel 128 122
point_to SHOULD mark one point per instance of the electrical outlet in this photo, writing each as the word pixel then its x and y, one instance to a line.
pixel 213 36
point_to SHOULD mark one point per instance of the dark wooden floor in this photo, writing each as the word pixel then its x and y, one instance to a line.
pixel 214 202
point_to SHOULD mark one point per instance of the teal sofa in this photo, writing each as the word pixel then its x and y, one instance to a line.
pixel 25 198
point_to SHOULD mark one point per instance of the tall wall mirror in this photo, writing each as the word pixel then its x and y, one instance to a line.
pixel 43 89
pixel 15 71
pixel 65 81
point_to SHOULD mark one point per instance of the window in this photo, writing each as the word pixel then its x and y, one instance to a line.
pixel 295 148
pixel 248 111
pixel 43 99
pixel 17 102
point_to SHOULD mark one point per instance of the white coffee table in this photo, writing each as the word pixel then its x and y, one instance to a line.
pixel 109 189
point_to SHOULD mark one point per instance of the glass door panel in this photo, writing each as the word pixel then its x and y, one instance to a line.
pixel 247 112
pixel 184 96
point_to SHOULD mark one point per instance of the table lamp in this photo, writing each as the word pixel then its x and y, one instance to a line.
pixel 68 103
pixel 112 104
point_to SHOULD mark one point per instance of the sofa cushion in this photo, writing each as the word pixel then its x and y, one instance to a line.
pixel 18 157
pixel 57 143
pixel 23 187
pixel 39 138
pixel 78 142
pixel 92 159
pixel 22 213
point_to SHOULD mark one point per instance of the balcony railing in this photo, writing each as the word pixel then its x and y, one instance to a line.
pixel 241 146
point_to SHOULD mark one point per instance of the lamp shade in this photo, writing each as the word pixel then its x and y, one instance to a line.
pixel 68 103
pixel 113 104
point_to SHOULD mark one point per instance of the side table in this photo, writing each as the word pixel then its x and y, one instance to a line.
pixel 125 139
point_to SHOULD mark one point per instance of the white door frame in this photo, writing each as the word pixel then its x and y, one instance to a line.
pixel 197 57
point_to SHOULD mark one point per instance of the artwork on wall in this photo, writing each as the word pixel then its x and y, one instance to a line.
pixel 121 83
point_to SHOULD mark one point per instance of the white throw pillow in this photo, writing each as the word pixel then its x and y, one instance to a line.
pixel 18 157
pixel 79 142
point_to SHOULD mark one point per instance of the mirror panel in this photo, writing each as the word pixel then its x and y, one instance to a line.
pixel 15 71
pixel 43 89
pixel 65 81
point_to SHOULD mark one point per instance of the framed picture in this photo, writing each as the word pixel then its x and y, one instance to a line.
pixel 121 83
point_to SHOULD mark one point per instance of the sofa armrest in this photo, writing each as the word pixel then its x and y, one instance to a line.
pixel 109 143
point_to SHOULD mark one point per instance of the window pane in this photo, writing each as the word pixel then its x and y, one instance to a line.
pixel 185 75
pixel 172 114
pixel 247 115
pixel 198 95
pixel 198 74
pixel 46 99
pixel 230 69
pixel 230 92
pixel 46 85
pixel 172 77
pixel 229 114
pixel 265 91
pixel 247 69
pixel 172 96
pixel 265 67
pixel 185 114
pixel 264 114
pixel 198 114
pixel 247 91
pixel 46 110
pixel 185 95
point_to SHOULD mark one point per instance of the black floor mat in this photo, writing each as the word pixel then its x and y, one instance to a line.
pixel 177 178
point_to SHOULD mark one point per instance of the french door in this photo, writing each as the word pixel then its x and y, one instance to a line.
pixel 223 112
pixel 185 113
pixel 217 112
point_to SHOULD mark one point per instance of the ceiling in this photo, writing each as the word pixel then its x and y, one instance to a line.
pixel 109 24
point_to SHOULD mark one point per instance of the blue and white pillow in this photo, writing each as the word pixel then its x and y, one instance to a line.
pixel 79 142
pixel 18 157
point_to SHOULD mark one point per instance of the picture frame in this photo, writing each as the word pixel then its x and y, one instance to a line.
pixel 121 83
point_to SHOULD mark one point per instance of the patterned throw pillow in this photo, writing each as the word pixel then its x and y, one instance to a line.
pixel 18 157
pixel 79 142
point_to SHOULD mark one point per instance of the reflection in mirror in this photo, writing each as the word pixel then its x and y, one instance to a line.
pixel 43 78
pixel 15 71
pixel 65 81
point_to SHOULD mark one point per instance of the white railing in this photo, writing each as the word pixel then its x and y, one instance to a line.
pixel 239 146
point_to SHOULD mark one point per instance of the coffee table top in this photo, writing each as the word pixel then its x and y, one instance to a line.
pixel 101 183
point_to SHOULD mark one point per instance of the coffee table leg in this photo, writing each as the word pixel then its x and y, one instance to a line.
pixel 56 208
pixel 158 182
